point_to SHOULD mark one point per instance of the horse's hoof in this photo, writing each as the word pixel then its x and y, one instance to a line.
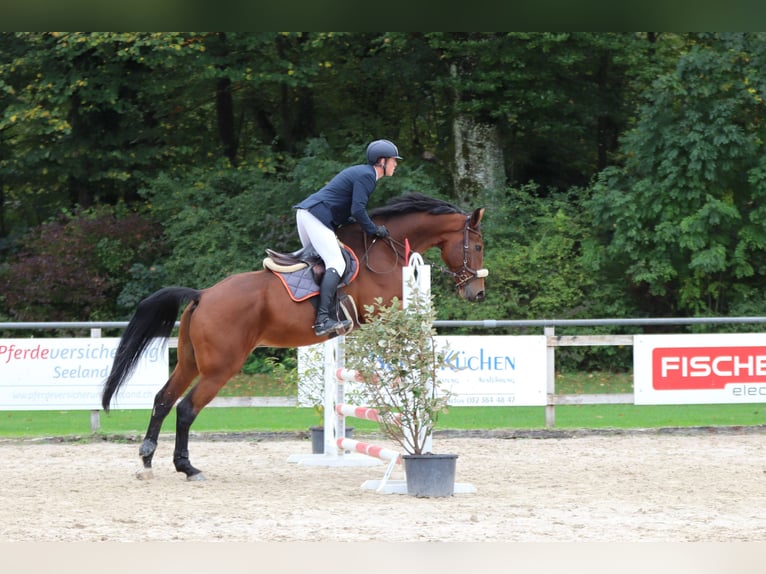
pixel 144 474
pixel 199 477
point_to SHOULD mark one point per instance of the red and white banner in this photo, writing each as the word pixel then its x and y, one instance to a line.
pixel 702 369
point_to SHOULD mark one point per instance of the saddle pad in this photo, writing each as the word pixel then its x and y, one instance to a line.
pixel 301 284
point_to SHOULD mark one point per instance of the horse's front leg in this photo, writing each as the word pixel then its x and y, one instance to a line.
pixel 185 415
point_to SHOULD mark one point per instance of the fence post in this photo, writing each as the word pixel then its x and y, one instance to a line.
pixel 330 358
pixel 95 415
pixel 550 380
pixel 339 345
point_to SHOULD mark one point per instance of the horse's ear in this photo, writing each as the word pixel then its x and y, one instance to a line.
pixel 476 216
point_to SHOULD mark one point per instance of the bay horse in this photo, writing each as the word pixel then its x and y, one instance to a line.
pixel 221 325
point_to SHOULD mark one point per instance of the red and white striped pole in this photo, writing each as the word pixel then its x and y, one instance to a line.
pixel 366 413
pixel 369 449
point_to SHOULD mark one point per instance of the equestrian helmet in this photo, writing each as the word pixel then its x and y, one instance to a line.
pixel 381 148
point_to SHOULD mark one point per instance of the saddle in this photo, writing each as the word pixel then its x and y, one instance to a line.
pixel 301 274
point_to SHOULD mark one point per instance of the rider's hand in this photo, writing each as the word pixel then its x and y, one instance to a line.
pixel 381 231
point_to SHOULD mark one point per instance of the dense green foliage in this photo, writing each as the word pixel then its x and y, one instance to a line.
pixel 632 184
pixel 46 280
pixel 681 220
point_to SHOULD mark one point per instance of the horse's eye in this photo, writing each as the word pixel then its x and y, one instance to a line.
pixel 478 248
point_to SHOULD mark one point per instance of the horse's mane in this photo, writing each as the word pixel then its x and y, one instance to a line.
pixel 415 203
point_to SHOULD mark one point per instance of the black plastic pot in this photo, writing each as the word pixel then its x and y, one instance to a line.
pixel 317 438
pixel 430 475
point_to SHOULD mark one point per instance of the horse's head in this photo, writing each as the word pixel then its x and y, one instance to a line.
pixel 464 255
pixel 429 222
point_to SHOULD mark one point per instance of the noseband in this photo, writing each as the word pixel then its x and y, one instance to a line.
pixel 466 274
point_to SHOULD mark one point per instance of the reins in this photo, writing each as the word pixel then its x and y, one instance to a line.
pixel 392 243
pixel 462 276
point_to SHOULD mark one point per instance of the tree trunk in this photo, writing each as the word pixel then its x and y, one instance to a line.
pixel 479 172
pixel 3 230
pixel 224 107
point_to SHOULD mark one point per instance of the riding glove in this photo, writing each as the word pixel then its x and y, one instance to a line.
pixel 382 231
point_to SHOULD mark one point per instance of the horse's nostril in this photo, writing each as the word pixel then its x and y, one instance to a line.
pixel 479 296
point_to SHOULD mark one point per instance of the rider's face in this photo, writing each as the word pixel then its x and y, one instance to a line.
pixel 391 164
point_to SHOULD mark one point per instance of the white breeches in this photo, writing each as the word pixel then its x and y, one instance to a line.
pixel 313 232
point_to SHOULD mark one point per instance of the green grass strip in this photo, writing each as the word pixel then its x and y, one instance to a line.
pixel 134 422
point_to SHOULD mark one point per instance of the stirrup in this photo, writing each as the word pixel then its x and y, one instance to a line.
pixel 329 326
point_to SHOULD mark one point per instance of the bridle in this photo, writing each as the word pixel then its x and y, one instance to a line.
pixel 466 274
pixel 462 276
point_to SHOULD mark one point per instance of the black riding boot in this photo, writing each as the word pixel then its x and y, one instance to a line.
pixel 327 292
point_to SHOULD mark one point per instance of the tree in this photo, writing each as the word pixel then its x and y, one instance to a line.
pixel 547 106
pixel 73 268
pixel 86 114
pixel 216 133
pixel 683 219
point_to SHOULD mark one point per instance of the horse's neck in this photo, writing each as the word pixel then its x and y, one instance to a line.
pixel 422 231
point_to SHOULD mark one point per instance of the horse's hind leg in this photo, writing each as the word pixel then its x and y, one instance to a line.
pixel 185 415
pixel 163 402
pixel 162 406
pixel 182 376
pixel 187 410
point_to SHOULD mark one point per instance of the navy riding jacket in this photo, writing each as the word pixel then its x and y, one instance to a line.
pixel 344 196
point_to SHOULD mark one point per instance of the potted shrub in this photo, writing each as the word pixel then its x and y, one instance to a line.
pixel 397 358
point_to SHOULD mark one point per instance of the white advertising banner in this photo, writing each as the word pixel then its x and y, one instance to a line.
pixel 498 370
pixel 699 369
pixel 67 374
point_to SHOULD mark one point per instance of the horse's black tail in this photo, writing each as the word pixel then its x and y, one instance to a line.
pixel 155 317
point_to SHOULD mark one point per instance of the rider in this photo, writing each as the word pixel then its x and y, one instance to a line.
pixel 319 214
